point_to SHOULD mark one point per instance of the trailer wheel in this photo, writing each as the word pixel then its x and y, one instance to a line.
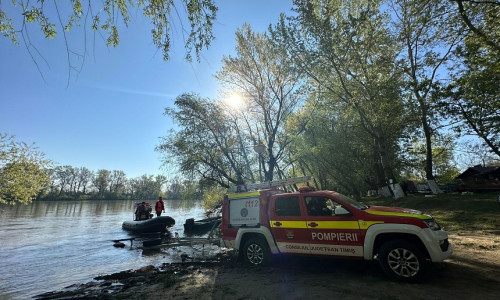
pixel 256 252
pixel 402 261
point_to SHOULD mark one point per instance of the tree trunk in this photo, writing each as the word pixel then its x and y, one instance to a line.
pixel 394 187
pixel 428 152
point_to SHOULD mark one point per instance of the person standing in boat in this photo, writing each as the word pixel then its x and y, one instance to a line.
pixel 160 206
pixel 141 211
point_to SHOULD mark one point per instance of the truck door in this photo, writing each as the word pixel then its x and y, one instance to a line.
pixel 332 229
pixel 287 220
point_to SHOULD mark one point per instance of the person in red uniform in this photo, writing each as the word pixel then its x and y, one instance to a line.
pixel 160 206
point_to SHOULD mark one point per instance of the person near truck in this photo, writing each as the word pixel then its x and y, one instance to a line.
pixel 159 206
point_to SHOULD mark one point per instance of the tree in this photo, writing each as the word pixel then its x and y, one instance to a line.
pixel 262 75
pixel 173 189
pixel 117 182
pixel 471 153
pixel 148 186
pixel 206 146
pixel 161 181
pixel 444 163
pixel 349 56
pixel 64 178
pixel 473 101
pixel 102 181
pixel 487 35
pixel 426 31
pixel 22 171
pixel 333 148
pixel 216 139
pixel 85 177
pixel 103 18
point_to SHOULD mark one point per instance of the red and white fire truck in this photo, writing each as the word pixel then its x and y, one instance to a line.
pixel 269 221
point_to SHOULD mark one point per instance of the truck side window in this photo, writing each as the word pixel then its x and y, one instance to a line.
pixel 319 206
pixel 287 206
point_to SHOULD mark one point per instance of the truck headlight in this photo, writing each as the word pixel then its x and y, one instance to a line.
pixel 432 224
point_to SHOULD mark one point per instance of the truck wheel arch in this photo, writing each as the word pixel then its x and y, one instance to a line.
pixel 245 234
pixel 377 235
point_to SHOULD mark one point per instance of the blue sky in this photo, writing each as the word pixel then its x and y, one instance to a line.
pixel 111 114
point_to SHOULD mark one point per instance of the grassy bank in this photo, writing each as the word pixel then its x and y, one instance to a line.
pixel 455 212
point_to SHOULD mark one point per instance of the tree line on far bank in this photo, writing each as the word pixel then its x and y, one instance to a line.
pixel 26 175
pixel 73 183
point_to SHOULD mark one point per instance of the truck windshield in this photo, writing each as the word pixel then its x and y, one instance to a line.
pixel 352 202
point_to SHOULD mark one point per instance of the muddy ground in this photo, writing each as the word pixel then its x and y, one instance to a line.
pixel 473 272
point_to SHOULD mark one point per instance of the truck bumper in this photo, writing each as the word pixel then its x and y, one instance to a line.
pixel 437 244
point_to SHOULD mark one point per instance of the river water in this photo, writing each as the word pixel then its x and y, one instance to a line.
pixel 50 245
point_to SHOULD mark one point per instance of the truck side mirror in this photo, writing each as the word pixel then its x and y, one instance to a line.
pixel 340 211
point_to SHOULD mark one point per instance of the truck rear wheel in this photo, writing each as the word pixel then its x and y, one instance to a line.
pixel 402 261
pixel 256 252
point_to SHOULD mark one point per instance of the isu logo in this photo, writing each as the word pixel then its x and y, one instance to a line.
pixel 244 212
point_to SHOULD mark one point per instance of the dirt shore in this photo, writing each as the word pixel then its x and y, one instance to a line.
pixel 473 272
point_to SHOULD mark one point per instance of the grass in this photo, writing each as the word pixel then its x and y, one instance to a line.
pixel 455 212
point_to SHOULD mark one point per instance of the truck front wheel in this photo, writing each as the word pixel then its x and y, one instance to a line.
pixel 256 252
pixel 402 261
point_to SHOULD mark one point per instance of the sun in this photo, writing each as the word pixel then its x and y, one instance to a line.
pixel 234 101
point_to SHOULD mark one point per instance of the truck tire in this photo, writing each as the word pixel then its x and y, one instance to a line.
pixel 256 252
pixel 402 261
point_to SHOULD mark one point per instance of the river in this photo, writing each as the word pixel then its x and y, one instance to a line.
pixel 49 245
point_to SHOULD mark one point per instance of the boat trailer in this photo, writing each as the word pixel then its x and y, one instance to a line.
pixel 175 241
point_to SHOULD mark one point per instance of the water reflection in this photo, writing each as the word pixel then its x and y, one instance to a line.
pixel 52 244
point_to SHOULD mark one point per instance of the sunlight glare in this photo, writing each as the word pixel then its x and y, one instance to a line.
pixel 235 101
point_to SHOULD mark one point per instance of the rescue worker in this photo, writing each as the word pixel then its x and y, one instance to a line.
pixel 160 206
pixel 318 207
pixel 141 212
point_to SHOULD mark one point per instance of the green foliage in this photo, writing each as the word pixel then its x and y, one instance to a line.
pixel 444 162
pixel 70 183
pixel 427 32
pixel 213 196
pixel 473 102
pixel 355 117
pixel 201 14
pixel 6 27
pixel 37 15
pixel 272 91
pixel 205 145
pixel 190 191
pixel 190 194
pixel 22 171
pixel 147 186
pixel 333 149
pixel 101 181
pixel 105 16
pixel 32 15
pixel 368 77
pixel 215 140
